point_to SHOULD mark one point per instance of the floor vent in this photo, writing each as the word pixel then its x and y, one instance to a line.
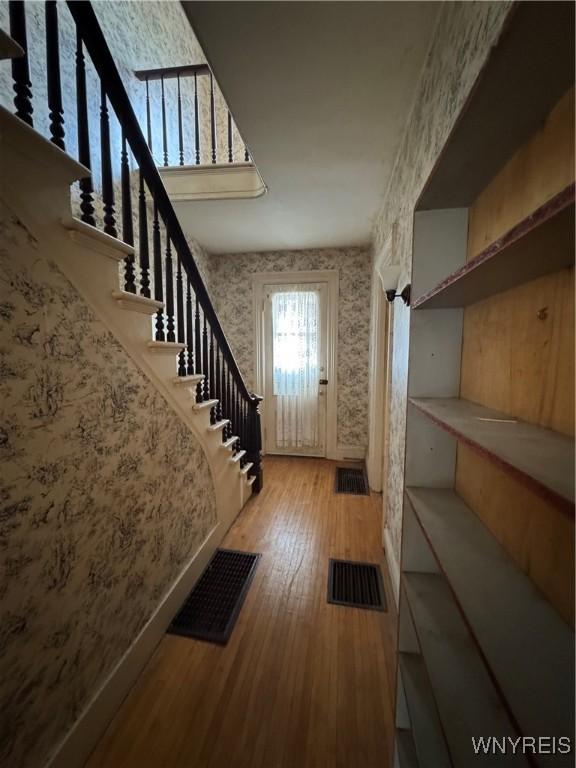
pixel 211 609
pixel 356 584
pixel 349 480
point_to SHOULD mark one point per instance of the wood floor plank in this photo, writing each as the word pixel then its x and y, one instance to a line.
pixel 302 683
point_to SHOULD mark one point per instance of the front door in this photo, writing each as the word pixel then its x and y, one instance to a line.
pixel 295 331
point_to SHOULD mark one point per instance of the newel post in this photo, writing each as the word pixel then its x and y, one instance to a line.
pixel 254 444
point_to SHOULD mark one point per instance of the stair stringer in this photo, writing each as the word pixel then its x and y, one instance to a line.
pixel 36 179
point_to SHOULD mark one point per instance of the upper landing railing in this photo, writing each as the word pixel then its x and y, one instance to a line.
pixel 125 196
pixel 206 134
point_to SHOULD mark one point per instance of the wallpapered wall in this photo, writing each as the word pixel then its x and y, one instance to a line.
pixel 104 497
pixel 230 285
pixel 464 36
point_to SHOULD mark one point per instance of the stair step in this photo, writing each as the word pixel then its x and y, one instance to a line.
pixel 251 479
pixel 246 468
pixel 135 303
pixel 219 425
pixel 9 48
pixel 237 456
pixel 166 346
pixel 90 237
pixel 189 381
pixel 204 405
pixel 230 442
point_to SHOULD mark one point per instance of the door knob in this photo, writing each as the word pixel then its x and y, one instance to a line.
pixel 323 381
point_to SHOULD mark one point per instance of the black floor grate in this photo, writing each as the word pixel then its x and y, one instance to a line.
pixel 211 609
pixel 357 584
pixel 349 480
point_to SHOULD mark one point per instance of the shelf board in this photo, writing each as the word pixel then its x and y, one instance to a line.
pixel 527 72
pixel 467 699
pixel 539 457
pixel 427 734
pixel 540 244
pixel 528 647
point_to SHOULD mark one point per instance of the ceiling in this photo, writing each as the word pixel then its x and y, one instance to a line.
pixel 321 92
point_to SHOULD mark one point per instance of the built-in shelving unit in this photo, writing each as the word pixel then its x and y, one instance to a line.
pixel 486 639
pixel 539 456
pixel 514 258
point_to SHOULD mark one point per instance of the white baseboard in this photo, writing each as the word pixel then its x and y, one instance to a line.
pixel 393 565
pixel 74 750
pixel 352 452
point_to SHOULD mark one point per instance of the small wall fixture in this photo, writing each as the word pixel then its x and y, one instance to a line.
pixel 404 295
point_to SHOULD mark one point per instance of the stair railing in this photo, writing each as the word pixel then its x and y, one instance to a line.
pixel 191 147
pixel 165 269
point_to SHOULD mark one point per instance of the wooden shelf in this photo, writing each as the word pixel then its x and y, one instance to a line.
pixel 467 700
pixel 429 742
pixel 528 647
pixel 540 244
pixel 539 457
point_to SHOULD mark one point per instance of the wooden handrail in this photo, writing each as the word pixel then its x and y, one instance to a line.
pixel 95 43
pixel 187 70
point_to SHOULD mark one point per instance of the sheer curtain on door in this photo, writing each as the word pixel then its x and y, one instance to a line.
pixel 295 349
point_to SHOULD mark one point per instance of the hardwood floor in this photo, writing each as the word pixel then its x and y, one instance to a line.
pixel 301 683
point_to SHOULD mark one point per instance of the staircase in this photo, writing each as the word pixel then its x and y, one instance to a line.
pixel 121 245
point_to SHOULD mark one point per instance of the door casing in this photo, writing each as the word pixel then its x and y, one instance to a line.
pixel 329 276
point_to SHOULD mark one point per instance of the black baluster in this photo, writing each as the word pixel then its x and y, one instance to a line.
pixel 223 409
pixel 230 152
pixel 148 117
pixel 20 72
pixel 211 368
pixel 246 154
pixel 198 349
pixel 164 131
pixel 127 226
pixel 170 335
pixel 212 119
pixel 55 111
pixel 180 130
pixel 86 187
pixel 218 389
pixel 205 364
pixel 107 185
pixel 180 317
pixel 158 293
pixel 143 240
pixel 229 431
pixel 196 122
pixel 189 330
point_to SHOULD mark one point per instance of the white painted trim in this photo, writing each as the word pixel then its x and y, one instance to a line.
pixel 352 452
pixel 378 377
pixel 219 181
pixel 393 566
pixel 332 278
pixel 75 748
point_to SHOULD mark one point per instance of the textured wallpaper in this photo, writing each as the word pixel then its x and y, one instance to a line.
pixel 104 496
pixel 230 285
pixel 464 36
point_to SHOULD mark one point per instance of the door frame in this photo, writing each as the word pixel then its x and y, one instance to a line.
pixel 331 277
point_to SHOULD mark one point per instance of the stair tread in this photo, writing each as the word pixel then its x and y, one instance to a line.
pixel 134 302
pixel 116 247
pixel 246 468
pixel 194 378
pixel 219 425
pixel 237 456
pixel 230 442
pixel 172 346
pixel 204 405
